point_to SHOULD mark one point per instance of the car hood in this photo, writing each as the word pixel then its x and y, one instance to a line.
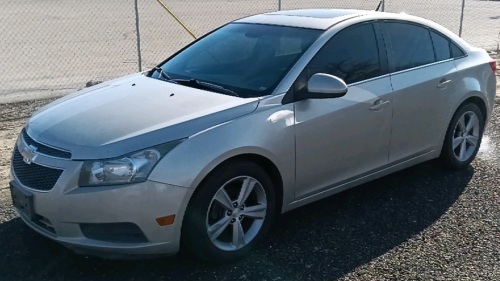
pixel 132 113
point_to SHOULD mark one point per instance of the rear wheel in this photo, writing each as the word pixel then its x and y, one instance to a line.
pixel 230 213
pixel 463 137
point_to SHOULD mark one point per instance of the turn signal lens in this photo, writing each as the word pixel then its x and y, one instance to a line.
pixel 168 220
pixel 493 65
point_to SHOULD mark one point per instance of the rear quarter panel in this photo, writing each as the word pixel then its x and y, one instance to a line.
pixel 475 79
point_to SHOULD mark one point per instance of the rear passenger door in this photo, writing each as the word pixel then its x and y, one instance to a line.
pixel 423 79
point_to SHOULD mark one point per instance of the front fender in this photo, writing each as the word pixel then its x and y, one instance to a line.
pixel 268 132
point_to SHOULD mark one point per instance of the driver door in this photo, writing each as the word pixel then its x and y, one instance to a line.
pixel 340 139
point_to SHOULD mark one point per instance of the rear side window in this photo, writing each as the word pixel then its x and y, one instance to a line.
pixel 456 52
pixel 411 45
pixel 441 46
pixel 351 55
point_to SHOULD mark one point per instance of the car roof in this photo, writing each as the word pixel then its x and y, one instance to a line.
pixel 324 19
pixel 318 13
pixel 310 18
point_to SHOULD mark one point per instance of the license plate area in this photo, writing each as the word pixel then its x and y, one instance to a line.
pixel 23 201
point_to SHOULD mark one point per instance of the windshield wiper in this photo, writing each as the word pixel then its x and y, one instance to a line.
pixel 162 74
pixel 209 86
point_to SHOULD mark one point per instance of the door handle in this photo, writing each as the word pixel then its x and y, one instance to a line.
pixel 379 104
pixel 443 83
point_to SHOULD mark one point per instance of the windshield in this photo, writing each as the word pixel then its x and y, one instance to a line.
pixel 247 59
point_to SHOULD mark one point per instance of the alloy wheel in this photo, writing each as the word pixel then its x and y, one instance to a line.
pixel 236 213
pixel 466 136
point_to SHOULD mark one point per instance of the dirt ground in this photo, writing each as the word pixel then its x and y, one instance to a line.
pixel 12 119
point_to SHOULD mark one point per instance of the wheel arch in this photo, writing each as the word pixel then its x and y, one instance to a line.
pixel 267 164
pixel 447 154
pixel 475 99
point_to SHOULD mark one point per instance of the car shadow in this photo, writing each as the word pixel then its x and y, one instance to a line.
pixel 322 241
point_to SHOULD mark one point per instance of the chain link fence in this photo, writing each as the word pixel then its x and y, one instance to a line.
pixel 53 47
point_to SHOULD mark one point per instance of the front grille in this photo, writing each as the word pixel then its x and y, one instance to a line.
pixel 32 175
pixel 125 232
pixel 43 149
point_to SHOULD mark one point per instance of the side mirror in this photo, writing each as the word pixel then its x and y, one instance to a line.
pixel 325 86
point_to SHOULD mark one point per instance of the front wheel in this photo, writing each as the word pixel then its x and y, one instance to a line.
pixel 463 137
pixel 230 213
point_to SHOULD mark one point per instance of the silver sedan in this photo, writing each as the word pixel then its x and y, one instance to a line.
pixel 260 116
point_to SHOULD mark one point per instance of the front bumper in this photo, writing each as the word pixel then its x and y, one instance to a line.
pixel 139 204
pixel 62 210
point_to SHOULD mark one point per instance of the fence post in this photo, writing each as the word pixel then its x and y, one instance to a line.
pixel 461 19
pixel 279 5
pixel 383 6
pixel 138 36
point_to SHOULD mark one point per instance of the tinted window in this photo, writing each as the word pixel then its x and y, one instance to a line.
pixel 352 55
pixel 249 59
pixel 231 48
pixel 456 51
pixel 411 45
pixel 441 46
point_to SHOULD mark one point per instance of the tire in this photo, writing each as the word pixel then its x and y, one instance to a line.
pixel 454 156
pixel 206 212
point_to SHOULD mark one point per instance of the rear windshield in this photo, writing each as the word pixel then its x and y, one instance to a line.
pixel 249 59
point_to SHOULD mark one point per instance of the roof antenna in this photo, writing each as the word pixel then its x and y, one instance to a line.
pixel 378 7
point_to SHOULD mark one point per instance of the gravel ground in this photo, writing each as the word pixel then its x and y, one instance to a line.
pixel 423 223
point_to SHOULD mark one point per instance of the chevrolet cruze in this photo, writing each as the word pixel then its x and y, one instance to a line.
pixel 261 116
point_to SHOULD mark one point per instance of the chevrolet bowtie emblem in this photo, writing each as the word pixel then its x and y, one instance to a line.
pixel 29 154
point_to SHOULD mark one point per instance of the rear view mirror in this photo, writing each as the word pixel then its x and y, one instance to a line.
pixel 325 86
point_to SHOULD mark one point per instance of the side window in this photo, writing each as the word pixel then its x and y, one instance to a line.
pixel 441 46
pixel 456 52
pixel 411 45
pixel 352 55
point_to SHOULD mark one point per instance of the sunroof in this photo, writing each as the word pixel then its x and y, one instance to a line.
pixel 317 13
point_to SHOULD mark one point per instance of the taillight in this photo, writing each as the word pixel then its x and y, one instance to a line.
pixel 493 65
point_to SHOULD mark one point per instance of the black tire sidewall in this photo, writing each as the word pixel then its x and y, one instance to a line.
pixel 447 154
pixel 194 234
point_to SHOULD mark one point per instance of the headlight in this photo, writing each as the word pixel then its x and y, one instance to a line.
pixel 134 167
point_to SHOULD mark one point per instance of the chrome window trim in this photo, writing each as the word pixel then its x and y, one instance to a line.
pixel 461 57
pixel 398 72
pixel 421 66
pixel 369 80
